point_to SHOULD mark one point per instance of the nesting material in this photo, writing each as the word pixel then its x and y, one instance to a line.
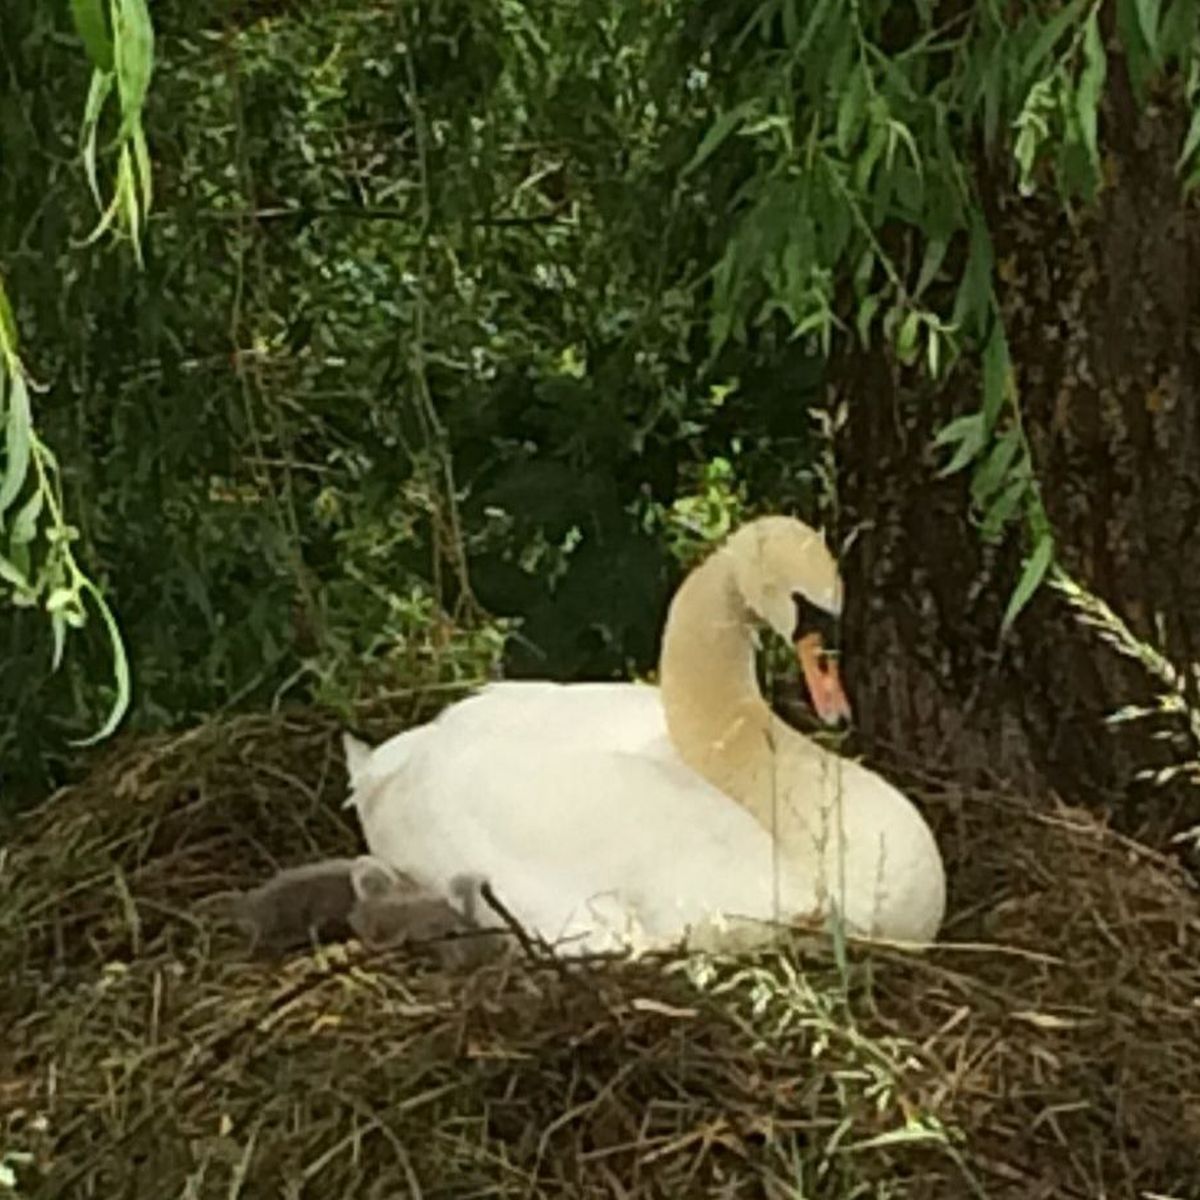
pixel 1052 1050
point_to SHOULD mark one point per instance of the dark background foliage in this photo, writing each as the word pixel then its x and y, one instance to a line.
pixel 242 423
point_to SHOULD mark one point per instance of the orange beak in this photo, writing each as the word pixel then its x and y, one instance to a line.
pixel 823 680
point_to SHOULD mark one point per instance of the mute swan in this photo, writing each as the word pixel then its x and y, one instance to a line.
pixel 618 816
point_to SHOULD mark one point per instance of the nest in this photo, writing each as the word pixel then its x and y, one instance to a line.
pixel 1050 1048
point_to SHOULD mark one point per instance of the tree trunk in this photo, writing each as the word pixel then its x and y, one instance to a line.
pixel 1100 319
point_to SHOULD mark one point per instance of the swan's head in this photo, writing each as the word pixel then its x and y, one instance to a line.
pixel 790 581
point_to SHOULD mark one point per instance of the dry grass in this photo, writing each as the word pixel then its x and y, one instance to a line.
pixel 1055 1051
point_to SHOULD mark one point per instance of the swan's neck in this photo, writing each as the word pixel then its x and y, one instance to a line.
pixel 716 715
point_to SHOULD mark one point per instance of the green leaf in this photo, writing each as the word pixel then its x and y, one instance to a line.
pixel 933 343
pixel 899 133
pixel 1048 37
pixel 762 16
pixel 24 528
pixel 720 328
pixel 120 669
pixel 1036 566
pixel 1091 83
pixel 1177 30
pixel 92 29
pixel 1191 142
pixel 866 314
pixel 1139 61
pixel 720 129
pixel 141 159
pixel 892 319
pixel 1148 16
pixel 1005 506
pixel 935 255
pixel 852 111
pixel 789 18
pixel 810 29
pixel 56 534
pixel 58 626
pixel 969 433
pixel 997 375
pixel 126 197
pixel 59 599
pixel 906 341
pixel 973 302
pixel 18 554
pixel 877 142
pixel 8 326
pixel 956 430
pixel 863 271
pixel 992 471
pixel 133 56
pixel 17 443
pixel 815 322
pixel 10 573
pixel 98 92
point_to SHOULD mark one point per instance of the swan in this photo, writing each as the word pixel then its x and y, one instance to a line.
pixel 622 816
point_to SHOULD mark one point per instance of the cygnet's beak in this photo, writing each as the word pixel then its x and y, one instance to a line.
pixel 823 680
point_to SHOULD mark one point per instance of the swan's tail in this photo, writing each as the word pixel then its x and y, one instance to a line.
pixel 358 756
pixel 382 770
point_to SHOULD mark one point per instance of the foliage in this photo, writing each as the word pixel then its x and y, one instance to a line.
pixel 857 127
pixel 39 527
pixel 40 566
pixel 121 51
pixel 1175 706
pixel 447 310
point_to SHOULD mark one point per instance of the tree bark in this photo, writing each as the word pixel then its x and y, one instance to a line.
pixel 1100 316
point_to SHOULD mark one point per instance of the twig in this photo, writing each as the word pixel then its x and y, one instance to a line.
pixel 537 951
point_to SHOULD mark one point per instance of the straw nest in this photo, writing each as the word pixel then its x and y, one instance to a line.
pixel 1052 1050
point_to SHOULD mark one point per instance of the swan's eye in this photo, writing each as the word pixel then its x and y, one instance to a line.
pixel 810 618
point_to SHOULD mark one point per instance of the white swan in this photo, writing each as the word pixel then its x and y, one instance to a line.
pixel 611 816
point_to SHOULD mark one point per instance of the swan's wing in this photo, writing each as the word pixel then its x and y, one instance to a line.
pixel 624 717
pixel 558 832
pixel 586 716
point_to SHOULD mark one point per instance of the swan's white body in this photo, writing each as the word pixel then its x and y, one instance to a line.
pixel 622 816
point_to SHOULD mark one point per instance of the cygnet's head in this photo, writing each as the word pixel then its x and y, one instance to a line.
pixel 372 879
pixel 790 581
pixel 392 910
